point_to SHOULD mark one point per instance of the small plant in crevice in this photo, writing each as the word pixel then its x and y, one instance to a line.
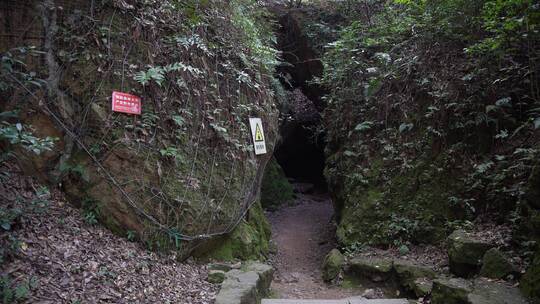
pixel 19 135
pixel 403 249
pixel 14 73
pixel 90 211
pixel 459 224
pixel 131 235
pixel 77 169
pixel 354 248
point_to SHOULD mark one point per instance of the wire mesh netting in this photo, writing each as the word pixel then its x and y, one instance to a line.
pixel 185 169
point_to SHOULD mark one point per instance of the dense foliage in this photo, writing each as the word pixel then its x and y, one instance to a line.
pixel 432 118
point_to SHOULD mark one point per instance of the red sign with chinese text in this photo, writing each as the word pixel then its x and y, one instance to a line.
pixel 126 103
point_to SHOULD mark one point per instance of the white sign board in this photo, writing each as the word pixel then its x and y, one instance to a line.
pixel 258 135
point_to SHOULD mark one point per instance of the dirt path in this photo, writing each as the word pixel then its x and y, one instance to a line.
pixel 304 234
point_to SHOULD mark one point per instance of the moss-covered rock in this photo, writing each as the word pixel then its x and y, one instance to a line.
pixel 479 291
pixel 451 291
pixel 465 253
pixel 530 283
pixel 409 274
pixel 275 188
pixel 220 266
pixel 488 292
pixel 411 206
pixel 249 241
pixel 333 262
pixel 216 276
pixel 265 272
pixel 496 265
pixel 247 285
pixel 422 287
pixel 375 269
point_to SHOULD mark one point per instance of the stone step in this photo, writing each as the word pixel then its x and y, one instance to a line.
pixel 342 301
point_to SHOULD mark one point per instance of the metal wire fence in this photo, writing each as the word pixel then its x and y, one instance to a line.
pixel 184 171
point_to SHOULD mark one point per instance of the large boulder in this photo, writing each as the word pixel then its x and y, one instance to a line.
pixel 451 291
pixel 496 265
pixel 216 276
pixel 375 269
pixel 414 277
pixel 249 241
pixel 333 262
pixel 183 172
pixel 465 253
pixel 487 292
pixel 480 291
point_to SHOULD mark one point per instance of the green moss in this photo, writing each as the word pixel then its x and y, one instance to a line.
pixel 249 241
pixel 450 291
pixel 259 221
pixel 332 265
pixel 351 282
pixel 408 273
pixel 496 265
pixel 272 294
pixel 275 188
pixel 411 206
pixel 351 228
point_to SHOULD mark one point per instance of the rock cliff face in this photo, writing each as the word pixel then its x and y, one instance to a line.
pixel 184 171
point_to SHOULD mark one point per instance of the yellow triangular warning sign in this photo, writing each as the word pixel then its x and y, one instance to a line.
pixel 258 133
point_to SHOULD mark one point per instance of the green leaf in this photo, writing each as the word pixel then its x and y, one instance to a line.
pixel 504 102
pixel 178 120
pixel 21 291
pixel 366 125
pixel 482 168
pixel 502 134
pixel 218 128
pixel 141 78
pixel 349 153
pixel 537 123
pixel 405 127
pixel 6 226
pixel 490 108
pixel 8 114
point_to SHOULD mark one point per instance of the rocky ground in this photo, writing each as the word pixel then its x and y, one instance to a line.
pixel 63 259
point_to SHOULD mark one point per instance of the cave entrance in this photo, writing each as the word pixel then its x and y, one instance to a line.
pixel 301 153
pixel 301 150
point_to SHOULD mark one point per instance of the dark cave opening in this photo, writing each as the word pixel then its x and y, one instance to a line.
pixel 301 155
pixel 301 149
